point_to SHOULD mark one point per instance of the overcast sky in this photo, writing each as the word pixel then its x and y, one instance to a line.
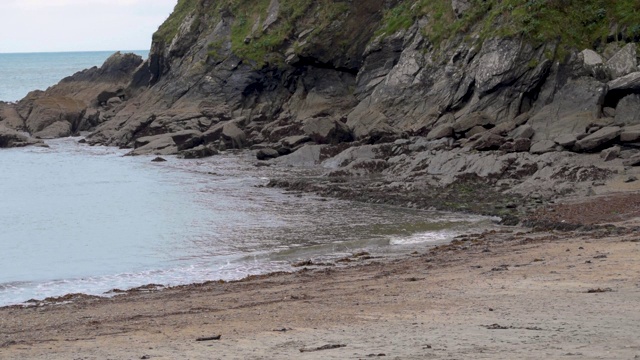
pixel 80 25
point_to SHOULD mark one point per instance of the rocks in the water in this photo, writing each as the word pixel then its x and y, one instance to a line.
pixel 267 153
pixel 158 159
pixel 11 138
pixel 230 135
pixel 597 139
pixel 48 116
pixel 198 152
pixel 294 141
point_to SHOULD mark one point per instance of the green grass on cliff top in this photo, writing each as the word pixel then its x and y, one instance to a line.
pixel 573 23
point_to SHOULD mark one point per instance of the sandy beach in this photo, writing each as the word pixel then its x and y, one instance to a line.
pixel 513 293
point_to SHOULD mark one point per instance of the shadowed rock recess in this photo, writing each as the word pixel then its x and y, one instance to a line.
pixel 463 105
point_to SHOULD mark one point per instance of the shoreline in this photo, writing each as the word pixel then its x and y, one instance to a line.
pixel 512 292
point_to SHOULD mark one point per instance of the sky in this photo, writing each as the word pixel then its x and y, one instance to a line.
pixel 80 25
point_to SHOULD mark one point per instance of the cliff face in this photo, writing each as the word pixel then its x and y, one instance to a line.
pixel 396 78
pixel 275 69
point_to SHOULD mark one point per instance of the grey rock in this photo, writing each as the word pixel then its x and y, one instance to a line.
pixel 272 14
pixel 632 161
pixel 158 145
pixel 475 131
pixel 56 130
pixel 294 141
pixel 609 112
pixel 517 145
pixel 566 140
pixel 12 138
pixel 542 147
pixel 623 62
pixel 630 134
pixel 488 141
pixel 467 122
pixel 523 132
pixel 460 7
pixel 51 109
pixel 611 153
pixel 594 64
pixel 187 139
pixel 233 137
pixel 327 131
pixel 198 152
pixel 267 153
pixel 440 131
pixel 628 110
pixel 576 105
pixel 597 139
pixel 627 82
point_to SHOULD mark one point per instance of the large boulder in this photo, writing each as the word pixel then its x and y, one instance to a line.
pixel 56 130
pixel 598 139
pixel 229 134
pixel 627 82
pixel 441 131
pixel 10 118
pixel 630 134
pixel 576 105
pixel 542 147
pixel 628 110
pixel 594 64
pixel 327 131
pixel 488 141
pixel 623 62
pixel 233 137
pixel 11 138
pixel 48 110
pixel 468 122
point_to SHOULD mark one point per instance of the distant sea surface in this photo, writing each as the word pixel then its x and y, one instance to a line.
pixel 21 73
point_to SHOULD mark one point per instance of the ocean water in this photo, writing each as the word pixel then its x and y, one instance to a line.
pixel 21 73
pixel 81 219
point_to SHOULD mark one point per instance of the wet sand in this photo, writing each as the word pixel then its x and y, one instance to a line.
pixel 512 294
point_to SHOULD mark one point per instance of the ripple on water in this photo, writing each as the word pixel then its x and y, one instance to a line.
pixel 87 219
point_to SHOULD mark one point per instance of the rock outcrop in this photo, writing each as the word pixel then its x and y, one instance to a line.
pixel 310 82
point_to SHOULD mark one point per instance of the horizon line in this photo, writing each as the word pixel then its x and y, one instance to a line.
pixel 68 51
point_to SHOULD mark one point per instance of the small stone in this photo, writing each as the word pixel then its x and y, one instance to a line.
pixel 159 159
pixel 630 179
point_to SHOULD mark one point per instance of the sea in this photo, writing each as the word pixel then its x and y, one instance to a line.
pixel 21 73
pixel 88 219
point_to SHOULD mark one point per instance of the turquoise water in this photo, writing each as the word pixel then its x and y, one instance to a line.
pixel 81 219
pixel 21 73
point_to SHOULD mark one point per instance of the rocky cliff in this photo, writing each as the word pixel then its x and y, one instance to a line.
pixel 505 91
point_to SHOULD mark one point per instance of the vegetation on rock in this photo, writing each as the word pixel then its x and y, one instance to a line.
pixel 572 23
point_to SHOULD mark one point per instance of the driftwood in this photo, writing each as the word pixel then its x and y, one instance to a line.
pixel 324 347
